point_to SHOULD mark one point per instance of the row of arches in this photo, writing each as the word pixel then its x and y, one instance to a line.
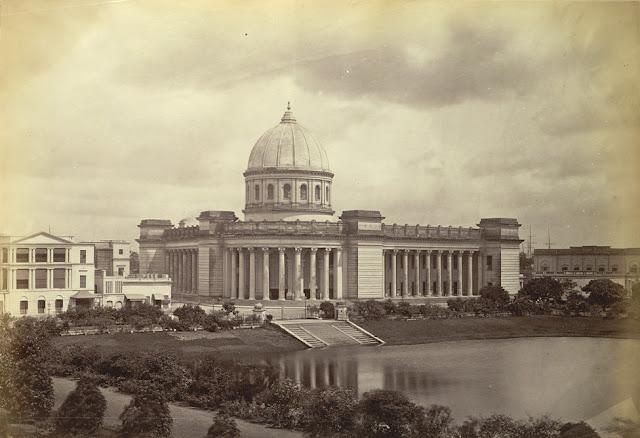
pixel 287 193
pixel 633 269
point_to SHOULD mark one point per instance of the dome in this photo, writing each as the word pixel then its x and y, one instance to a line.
pixel 288 145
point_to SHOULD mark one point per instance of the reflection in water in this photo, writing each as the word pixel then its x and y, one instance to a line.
pixel 570 378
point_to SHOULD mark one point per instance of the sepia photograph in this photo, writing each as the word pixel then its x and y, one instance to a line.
pixel 308 219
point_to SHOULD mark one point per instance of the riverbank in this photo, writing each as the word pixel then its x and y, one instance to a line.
pixel 424 331
pixel 228 344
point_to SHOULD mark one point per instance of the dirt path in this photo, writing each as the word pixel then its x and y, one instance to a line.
pixel 187 422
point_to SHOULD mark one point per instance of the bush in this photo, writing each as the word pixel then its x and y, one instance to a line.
pixel 542 290
pixel 389 307
pixel 223 427
pixel 404 309
pixel 190 316
pixel 229 308
pixel 282 404
pixel 495 296
pixel 329 412
pixel 385 413
pixel 146 415
pixel 437 422
pixel 83 410
pixel 575 304
pixel 455 304
pixel 328 310
pixel 604 293
pixel 369 310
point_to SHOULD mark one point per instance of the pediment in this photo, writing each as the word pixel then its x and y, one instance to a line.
pixel 41 238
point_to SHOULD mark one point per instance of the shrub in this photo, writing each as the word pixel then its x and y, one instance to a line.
pixel 577 430
pixel 329 412
pixel 455 304
pixel 228 308
pixel 437 422
pixel 385 413
pixel 282 404
pixel 542 290
pixel 495 296
pixel 522 306
pixel 328 310
pixel 404 309
pixel 369 310
pixel 191 316
pixel 83 410
pixel 604 292
pixel 27 391
pixel 147 414
pixel 389 307
pixel 223 427
pixel 575 304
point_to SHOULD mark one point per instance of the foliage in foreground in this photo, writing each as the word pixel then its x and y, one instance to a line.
pixel 223 427
pixel 82 411
pixel 147 415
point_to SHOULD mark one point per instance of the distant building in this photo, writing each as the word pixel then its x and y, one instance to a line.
pixel 43 274
pixel 290 245
pixel 585 263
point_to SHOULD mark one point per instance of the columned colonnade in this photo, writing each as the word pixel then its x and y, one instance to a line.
pixel 424 282
pixel 323 273
pixel 182 267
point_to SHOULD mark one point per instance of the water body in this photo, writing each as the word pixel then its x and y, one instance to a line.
pixel 568 378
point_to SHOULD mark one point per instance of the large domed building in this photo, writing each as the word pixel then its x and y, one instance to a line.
pixel 290 247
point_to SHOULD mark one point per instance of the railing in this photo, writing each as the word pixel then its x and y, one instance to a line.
pixel 282 227
pixel 429 231
pixel 182 232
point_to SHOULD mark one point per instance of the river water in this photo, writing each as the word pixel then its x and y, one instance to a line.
pixel 568 378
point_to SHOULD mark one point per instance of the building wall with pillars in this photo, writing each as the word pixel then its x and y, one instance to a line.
pixel 358 257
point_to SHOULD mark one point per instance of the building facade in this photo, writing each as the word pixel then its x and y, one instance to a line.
pixel 585 263
pixel 43 274
pixel 290 246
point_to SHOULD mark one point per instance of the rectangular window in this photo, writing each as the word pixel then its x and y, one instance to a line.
pixel 22 255
pixel 41 306
pixel 59 255
pixel 83 281
pixel 434 262
pixel 444 264
pixel 455 263
pixel 5 280
pixel 5 255
pixel 121 251
pixel 489 263
pixel 22 279
pixel 59 278
pixel 120 271
pixel 614 269
pixel 41 255
pixel 58 305
pixel 83 256
pixel 41 278
pixel 424 262
pixel 455 287
pixel 24 307
pixel 413 263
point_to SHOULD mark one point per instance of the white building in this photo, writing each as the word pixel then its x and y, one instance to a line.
pixel 43 274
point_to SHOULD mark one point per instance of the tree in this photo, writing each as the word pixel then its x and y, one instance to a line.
pixel 577 430
pixel 329 412
pixel 542 290
pixel 604 292
pixel 328 310
pixel 223 427
pixel 83 410
pixel 146 415
pixel 190 315
pixel 385 413
pixel 282 403
pixel 495 294
pixel 576 303
pixel 437 422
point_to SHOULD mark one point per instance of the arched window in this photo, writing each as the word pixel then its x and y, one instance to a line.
pixel 303 192
pixel 545 268
pixel 270 191
pixel 286 191
pixel 257 192
pixel 24 306
pixel 601 268
pixel 327 195
pixel 634 269
pixel 317 193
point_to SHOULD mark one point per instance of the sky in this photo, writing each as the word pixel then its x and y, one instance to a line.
pixel 430 112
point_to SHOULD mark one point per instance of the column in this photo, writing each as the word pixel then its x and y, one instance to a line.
pixel 394 272
pixel 281 276
pixel 187 270
pixel 226 267
pixel 234 273
pixel 252 274
pixel 312 273
pixel 175 270
pixel 297 273
pixel 438 272
pixel 429 291
pixel 178 271
pixel 416 263
pixel 194 270
pixel 405 272
pixel 325 267
pixel 265 274
pixel 337 274
pixel 460 274
pixel 167 260
pixel 241 276
pixel 480 268
pixel 470 274
pixel 449 273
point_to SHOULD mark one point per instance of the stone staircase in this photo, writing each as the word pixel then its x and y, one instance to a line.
pixel 327 333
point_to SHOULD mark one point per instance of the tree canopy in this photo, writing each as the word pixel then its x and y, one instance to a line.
pixel 604 292
pixel 542 290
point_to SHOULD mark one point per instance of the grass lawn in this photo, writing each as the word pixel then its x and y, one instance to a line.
pixel 192 345
pixel 454 329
